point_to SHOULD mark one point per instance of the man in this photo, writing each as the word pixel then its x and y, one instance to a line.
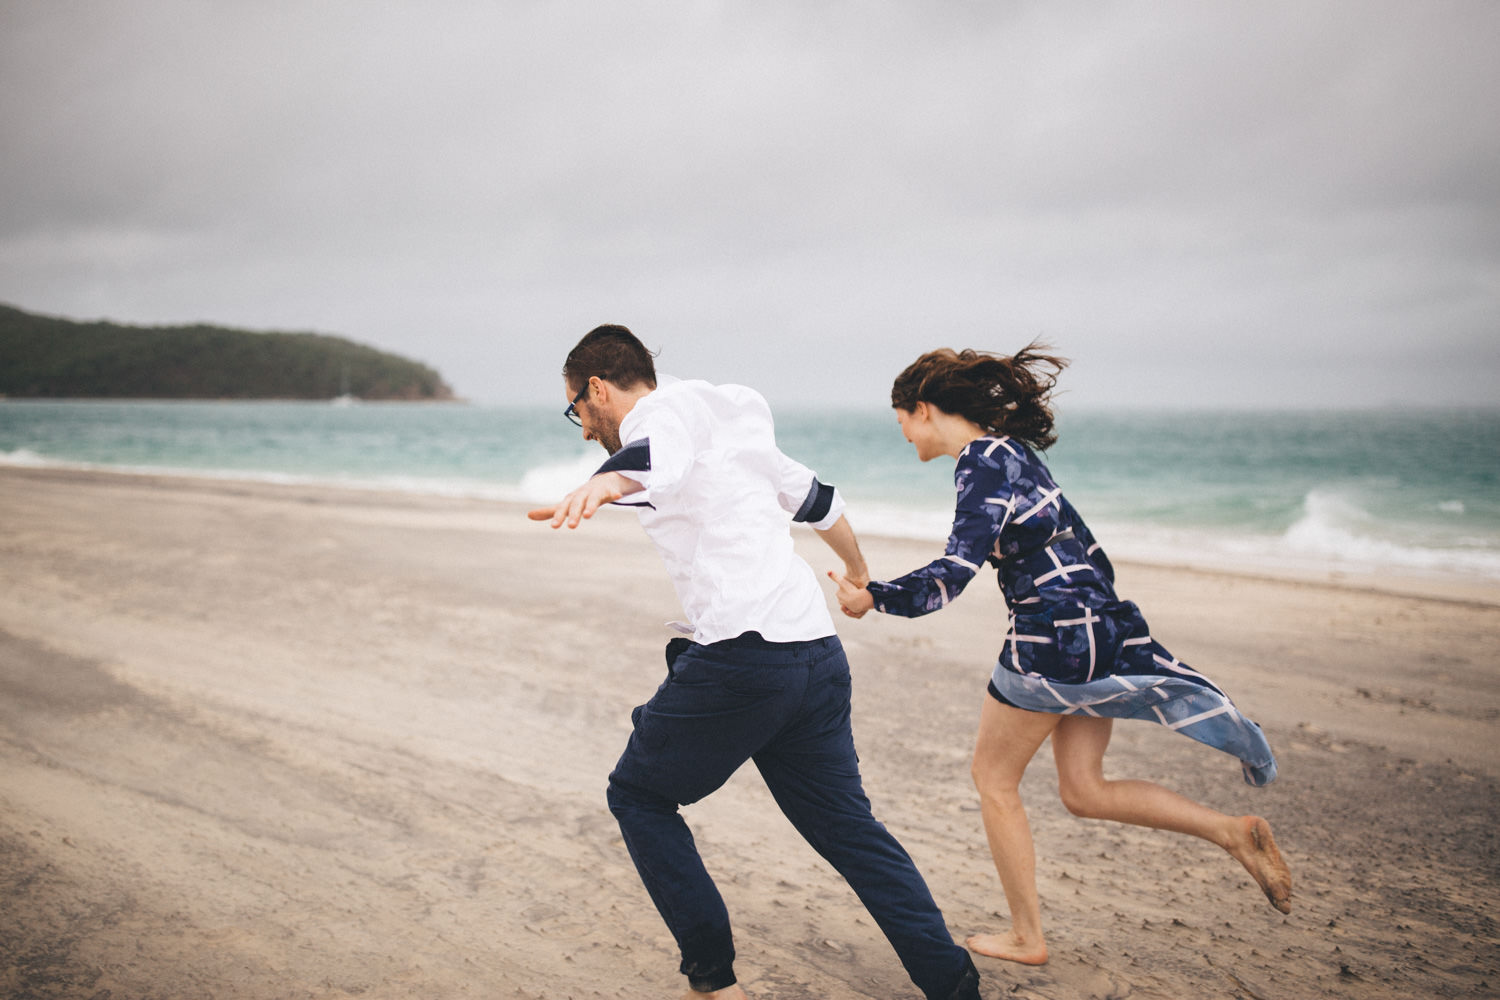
pixel 763 676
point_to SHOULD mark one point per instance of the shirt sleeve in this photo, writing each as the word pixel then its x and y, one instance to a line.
pixel 658 457
pixel 983 509
pixel 801 494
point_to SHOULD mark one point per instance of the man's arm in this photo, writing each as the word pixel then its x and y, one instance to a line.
pixel 607 487
pixel 840 538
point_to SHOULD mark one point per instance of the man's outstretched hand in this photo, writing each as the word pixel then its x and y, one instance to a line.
pixel 581 504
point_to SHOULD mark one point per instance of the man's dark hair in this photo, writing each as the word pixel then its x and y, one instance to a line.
pixel 614 354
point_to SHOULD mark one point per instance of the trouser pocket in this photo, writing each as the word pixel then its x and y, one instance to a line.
pixel 674 650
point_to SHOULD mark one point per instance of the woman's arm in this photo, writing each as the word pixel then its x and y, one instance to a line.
pixel 980 515
pixel 925 590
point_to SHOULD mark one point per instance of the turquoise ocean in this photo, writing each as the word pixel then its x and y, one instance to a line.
pixel 1398 491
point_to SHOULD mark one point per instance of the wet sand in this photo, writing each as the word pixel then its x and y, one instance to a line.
pixel 286 742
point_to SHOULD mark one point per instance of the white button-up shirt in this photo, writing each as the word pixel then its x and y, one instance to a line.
pixel 716 499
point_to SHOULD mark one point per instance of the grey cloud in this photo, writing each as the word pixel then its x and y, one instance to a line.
pixel 777 193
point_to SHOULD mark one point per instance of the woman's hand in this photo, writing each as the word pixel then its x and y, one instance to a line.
pixel 854 600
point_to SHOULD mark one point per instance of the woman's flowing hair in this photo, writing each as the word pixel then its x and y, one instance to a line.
pixel 1004 395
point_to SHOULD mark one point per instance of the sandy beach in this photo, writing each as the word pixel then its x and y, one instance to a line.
pixel 291 742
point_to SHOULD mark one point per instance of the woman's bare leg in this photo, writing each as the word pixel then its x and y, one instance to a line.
pixel 1008 738
pixel 1078 746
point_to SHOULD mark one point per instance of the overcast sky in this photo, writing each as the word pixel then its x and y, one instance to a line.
pixel 1254 203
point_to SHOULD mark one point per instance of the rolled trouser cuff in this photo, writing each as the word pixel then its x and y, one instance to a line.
pixel 707 959
pixel 967 987
pixel 708 982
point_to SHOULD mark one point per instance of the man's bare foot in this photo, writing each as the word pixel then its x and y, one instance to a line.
pixel 727 993
pixel 1010 947
pixel 1256 850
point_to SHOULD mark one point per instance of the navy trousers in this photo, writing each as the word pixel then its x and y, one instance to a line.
pixel 786 707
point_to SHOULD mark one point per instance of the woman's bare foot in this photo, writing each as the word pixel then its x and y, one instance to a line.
pixel 1010 947
pixel 727 993
pixel 1255 848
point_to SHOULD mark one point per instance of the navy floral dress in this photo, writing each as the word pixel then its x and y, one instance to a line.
pixel 1071 645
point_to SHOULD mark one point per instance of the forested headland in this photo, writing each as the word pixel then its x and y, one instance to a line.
pixel 47 356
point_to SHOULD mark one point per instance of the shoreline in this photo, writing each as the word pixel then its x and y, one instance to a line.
pixel 1404 581
pixel 287 742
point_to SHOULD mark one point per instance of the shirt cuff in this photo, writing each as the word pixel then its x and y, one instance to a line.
pixel 824 507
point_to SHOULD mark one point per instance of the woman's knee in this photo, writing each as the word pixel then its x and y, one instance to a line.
pixel 1082 798
pixel 994 783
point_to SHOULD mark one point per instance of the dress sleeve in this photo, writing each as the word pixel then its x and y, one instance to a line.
pixel 983 509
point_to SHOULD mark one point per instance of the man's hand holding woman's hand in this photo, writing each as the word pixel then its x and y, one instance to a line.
pixel 854 600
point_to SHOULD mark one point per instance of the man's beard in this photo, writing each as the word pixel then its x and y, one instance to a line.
pixel 605 431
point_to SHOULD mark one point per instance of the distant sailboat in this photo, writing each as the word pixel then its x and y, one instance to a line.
pixel 344 398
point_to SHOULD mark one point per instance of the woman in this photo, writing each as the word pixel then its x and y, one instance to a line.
pixel 1075 656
